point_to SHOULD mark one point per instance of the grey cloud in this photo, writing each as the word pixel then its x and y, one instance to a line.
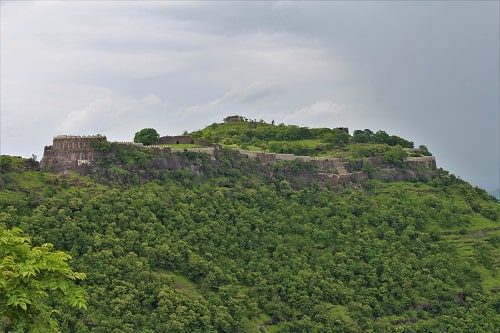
pixel 427 71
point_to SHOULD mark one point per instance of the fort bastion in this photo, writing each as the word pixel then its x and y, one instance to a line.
pixel 72 152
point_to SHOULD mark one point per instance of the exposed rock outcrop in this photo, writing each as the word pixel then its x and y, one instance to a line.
pixel 82 153
pixel 72 152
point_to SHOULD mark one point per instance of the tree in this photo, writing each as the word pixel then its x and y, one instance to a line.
pixel 29 275
pixel 424 150
pixel 147 136
pixel 336 138
pixel 360 136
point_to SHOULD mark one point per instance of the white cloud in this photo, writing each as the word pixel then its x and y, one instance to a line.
pixel 321 108
pixel 110 66
pixel 115 115
pixel 318 114
pixel 254 93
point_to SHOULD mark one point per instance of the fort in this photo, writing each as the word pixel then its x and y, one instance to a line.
pixel 175 140
pixel 72 152
pixel 81 153
pixel 181 139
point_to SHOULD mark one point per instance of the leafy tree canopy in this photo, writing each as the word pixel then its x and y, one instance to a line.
pixel 147 136
pixel 29 275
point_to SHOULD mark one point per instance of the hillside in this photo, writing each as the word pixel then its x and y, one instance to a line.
pixel 250 134
pixel 190 242
pixel 328 157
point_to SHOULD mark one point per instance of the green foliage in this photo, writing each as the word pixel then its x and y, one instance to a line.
pixel 147 136
pixel 367 136
pixel 290 139
pixel 7 163
pixel 424 150
pixel 11 163
pixel 395 156
pixel 336 138
pixel 233 246
pixel 102 145
pixel 30 276
pixel 362 136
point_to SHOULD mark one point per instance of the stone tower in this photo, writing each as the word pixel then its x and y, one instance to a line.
pixel 71 152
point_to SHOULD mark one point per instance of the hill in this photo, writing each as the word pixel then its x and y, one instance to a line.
pixel 239 132
pixel 333 157
pixel 190 242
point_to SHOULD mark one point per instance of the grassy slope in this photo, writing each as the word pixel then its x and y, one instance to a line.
pixel 230 135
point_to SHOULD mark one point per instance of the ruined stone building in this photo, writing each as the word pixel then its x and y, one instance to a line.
pixel 175 140
pixel 71 152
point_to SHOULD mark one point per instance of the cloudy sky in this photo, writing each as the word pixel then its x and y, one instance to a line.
pixel 426 71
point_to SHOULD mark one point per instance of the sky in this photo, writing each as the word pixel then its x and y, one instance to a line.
pixel 425 71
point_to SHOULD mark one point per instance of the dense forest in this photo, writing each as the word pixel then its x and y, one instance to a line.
pixel 240 248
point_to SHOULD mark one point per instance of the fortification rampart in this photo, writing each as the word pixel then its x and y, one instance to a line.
pixel 82 152
pixel 322 162
pixel 71 152
pixel 175 140
pixel 207 150
pixel 428 162
pixel 162 148
pixel 182 139
pixel 129 143
pixel 75 142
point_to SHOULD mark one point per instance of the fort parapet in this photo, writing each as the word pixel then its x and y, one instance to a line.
pixel 175 140
pixel 428 162
pixel 71 152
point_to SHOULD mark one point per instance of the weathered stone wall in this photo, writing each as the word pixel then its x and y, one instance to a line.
pixel 208 150
pixel 74 142
pixel 233 119
pixel 77 153
pixel 71 152
pixel 325 164
pixel 260 156
pixel 175 140
pixel 428 162
pixel 343 129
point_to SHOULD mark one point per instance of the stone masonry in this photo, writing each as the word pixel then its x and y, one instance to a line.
pixel 71 152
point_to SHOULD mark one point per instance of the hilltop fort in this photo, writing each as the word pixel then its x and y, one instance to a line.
pixel 83 154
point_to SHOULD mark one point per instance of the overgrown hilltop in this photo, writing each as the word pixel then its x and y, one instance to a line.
pixel 188 242
pixel 332 156
pixel 242 133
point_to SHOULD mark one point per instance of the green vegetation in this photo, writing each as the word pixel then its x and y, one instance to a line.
pixel 30 276
pixel 184 243
pixel 184 145
pixel 147 136
pixel 290 139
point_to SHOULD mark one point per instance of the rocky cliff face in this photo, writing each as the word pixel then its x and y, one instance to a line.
pixel 72 153
pixel 83 155
pixel 422 162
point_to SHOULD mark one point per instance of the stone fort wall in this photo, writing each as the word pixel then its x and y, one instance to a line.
pixel 422 161
pixel 71 152
pixel 175 140
pixel 181 139
pixel 75 142
pixel 77 153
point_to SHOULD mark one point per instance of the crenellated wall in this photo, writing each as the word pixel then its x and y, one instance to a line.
pixel 71 152
pixel 79 153
pixel 75 142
